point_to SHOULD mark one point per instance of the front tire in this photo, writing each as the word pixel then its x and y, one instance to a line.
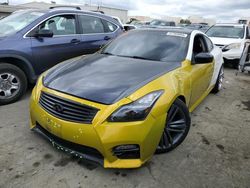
pixel 176 128
pixel 13 83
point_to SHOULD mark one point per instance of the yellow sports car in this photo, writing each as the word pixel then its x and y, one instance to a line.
pixel 130 100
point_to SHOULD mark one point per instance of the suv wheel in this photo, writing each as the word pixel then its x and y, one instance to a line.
pixel 13 83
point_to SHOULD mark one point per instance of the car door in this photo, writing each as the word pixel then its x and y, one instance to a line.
pixel 218 60
pixel 95 32
pixel 201 74
pixel 64 44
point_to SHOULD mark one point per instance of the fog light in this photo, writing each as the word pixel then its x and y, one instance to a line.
pixel 131 151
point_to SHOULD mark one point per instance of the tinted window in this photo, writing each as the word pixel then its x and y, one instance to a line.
pixel 152 45
pixel 226 31
pixel 91 24
pixel 210 45
pixel 60 25
pixel 199 45
pixel 109 27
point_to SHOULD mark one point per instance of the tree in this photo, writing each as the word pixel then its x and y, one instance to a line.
pixel 185 21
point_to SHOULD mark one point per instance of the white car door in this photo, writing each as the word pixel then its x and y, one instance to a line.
pixel 218 59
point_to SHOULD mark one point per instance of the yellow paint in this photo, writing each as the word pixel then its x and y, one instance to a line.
pixel 189 81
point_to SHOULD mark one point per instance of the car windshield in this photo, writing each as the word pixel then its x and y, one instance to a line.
pixel 226 31
pixel 150 45
pixel 17 21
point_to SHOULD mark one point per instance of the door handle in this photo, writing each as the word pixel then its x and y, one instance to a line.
pixel 107 38
pixel 75 41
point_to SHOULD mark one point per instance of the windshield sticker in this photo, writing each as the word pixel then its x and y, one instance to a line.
pixel 177 34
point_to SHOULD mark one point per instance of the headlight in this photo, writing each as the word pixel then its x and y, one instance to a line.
pixel 232 46
pixel 137 110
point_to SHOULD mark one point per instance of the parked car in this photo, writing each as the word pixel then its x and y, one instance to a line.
pixel 157 22
pixel 31 41
pixel 117 19
pixel 231 38
pixel 126 27
pixel 198 26
pixel 137 23
pixel 118 106
pixel 245 21
pixel 244 64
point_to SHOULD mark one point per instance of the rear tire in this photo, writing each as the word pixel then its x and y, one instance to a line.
pixel 176 128
pixel 219 81
pixel 13 83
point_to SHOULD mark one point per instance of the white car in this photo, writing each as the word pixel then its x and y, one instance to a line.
pixel 126 27
pixel 231 38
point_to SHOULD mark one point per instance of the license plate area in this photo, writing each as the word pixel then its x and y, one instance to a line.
pixel 52 126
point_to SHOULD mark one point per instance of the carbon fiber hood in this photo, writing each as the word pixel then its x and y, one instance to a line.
pixel 105 79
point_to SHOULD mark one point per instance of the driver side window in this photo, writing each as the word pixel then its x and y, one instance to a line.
pixel 199 45
pixel 59 25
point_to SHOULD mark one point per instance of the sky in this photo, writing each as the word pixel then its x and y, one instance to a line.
pixel 221 10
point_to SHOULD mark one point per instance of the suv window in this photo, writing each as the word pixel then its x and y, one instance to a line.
pixel 210 45
pixel 60 25
pixel 109 27
pixel 199 45
pixel 90 24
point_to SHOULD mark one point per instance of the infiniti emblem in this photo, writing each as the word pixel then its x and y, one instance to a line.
pixel 58 107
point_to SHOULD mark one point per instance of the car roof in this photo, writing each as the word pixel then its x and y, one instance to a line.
pixel 168 29
pixel 71 10
pixel 229 24
pixel 68 11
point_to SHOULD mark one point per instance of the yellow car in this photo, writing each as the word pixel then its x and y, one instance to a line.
pixel 130 100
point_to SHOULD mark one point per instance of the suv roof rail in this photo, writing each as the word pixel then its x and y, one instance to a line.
pixel 98 11
pixel 76 7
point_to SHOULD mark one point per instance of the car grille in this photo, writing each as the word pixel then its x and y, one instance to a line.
pixel 66 109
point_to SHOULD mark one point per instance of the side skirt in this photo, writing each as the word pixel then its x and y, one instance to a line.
pixel 192 108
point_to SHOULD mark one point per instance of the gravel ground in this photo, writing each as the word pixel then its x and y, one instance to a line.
pixel 216 152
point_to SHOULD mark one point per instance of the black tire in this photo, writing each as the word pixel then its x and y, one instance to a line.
pixel 219 81
pixel 21 82
pixel 231 63
pixel 178 112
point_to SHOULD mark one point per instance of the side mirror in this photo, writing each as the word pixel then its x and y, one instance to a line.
pixel 44 33
pixel 202 58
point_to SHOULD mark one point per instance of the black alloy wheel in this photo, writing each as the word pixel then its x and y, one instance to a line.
pixel 176 128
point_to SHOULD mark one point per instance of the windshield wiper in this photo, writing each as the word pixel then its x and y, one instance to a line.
pixel 106 53
pixel 135 57
pixel 139 57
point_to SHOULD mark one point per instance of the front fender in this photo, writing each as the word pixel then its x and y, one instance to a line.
pixel 29 70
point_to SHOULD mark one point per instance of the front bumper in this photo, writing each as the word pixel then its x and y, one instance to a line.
pixel 233 54
pixel 96 141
